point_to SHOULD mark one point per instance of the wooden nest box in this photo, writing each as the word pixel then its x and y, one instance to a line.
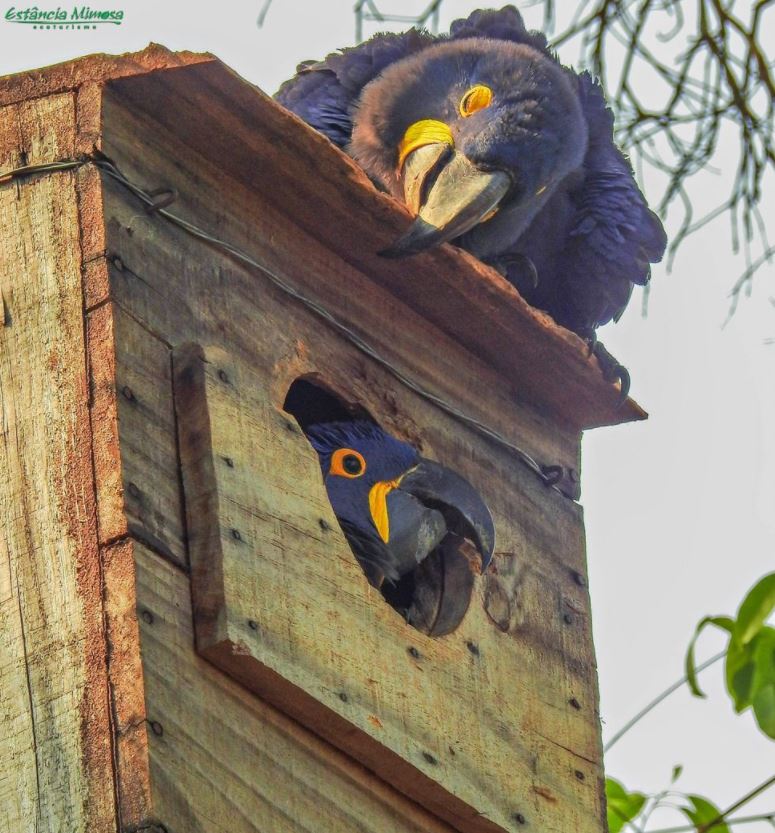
pixel 151 458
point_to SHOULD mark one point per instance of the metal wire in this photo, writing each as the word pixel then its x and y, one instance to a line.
pixel 30 170
pixel 547 474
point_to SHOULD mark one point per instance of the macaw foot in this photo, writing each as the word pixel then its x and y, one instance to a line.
pixel 611 369
pixel 518 269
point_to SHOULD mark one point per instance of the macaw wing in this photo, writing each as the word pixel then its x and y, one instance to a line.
pixel 614 236
pixel 324 93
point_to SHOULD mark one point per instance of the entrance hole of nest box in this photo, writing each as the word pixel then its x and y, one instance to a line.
pixel 434 596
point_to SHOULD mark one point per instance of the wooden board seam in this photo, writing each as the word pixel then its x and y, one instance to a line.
pixel 80 196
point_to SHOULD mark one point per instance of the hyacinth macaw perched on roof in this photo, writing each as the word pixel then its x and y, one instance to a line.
pixel 396 508
pixel 498 147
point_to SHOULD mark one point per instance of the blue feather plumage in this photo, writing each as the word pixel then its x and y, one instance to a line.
pixel 590 241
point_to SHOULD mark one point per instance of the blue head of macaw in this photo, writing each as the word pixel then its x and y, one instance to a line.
pixel 474 135
pixel 395 507
pixel 497 147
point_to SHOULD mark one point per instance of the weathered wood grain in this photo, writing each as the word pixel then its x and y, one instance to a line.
pixel 325 193
pixel 135 450
pixel 478 726
pixel 109 718
pixel 126 677
pixel 223 761
pixel 55 739
pixel 172 293
pixel 92 69
pixel 180 292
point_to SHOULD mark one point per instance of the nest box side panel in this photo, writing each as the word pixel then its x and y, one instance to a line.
pixel 165 300
pixel 221 756
pixel 137 467
pixel 473 725
pixel 55 751
pixel 530 651
pixel 191 745
pixel 253 141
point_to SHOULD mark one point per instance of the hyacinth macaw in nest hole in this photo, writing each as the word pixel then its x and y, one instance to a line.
pixel 496 146
pixel 399 510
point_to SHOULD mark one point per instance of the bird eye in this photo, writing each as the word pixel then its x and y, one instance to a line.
pixel 477 98
pixel 346 462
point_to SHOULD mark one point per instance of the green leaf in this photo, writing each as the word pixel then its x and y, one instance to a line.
pixel 764 709
pixel 677 770
pixel 740 682
pixel 623 806
pixel 756 609
pixel 738 672
pixel 703 812
pixel 763 685
pixel 723 622
pixel 750 656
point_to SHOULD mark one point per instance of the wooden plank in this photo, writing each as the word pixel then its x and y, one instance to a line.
pixel 55 749
pixel 127 689
pixel 169 296
pixel 223 761
pixel 136 463
pixel 92 68
pixel 36 133
pixel 269 151
pixel 202 296
pixel 321 644
pixel 477 727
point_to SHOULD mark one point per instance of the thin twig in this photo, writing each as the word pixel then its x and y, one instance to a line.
pixel 705 828
pixel 692 828
pixel 657 700
pixel 723 79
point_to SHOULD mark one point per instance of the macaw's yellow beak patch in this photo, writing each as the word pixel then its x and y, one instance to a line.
pixel 378 506
pixel 421 133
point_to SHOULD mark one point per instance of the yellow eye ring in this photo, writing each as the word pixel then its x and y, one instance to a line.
pixel 347 462
pixel 477 98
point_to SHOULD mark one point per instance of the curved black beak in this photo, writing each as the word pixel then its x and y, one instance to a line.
pixel 449 194
pixel 430 502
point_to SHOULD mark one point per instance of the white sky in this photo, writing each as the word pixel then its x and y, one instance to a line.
pixel 680 509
